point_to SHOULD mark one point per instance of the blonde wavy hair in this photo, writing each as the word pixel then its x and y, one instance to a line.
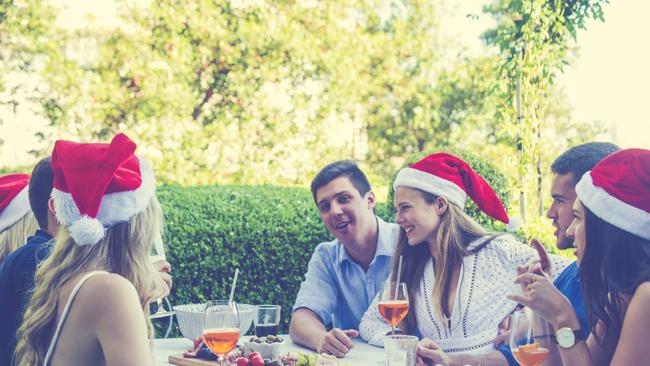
pixel 456 231
pixel 16 235
pixel 125 250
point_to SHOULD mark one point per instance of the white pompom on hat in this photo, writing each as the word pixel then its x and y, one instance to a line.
pixel 97 185
pixel 14 199
pixel 617 190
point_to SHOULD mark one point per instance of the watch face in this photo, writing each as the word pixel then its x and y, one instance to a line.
pixel 565 338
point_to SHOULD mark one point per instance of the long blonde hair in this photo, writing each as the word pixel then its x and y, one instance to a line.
pixel 16 235
pixel 125 250
pixel 455 232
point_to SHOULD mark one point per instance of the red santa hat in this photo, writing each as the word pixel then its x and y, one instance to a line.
pixel 618 191
pixel 445 175
pixel 14 199
pixel 97 185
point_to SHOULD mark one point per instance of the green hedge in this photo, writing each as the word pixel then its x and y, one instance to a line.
pixel 268 232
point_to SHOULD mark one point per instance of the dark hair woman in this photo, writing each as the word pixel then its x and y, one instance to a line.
pixel 611 233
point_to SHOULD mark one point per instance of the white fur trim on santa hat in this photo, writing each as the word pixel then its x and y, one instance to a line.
pixel 613 210
pixel 15 210
pixel 414 178
pixel 115 207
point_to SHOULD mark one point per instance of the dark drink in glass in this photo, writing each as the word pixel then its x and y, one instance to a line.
pixel 267 320
pixel 262 330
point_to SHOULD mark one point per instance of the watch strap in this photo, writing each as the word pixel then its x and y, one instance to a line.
pixel 579 335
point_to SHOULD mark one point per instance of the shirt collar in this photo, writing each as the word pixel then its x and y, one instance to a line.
pixel 384 249
pixel 44 234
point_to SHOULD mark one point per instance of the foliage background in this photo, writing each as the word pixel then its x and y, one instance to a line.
pixel 267 92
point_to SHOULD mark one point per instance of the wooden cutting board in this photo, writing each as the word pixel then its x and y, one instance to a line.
pixel 182 361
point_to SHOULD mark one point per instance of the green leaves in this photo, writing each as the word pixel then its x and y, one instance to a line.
pixel 268 232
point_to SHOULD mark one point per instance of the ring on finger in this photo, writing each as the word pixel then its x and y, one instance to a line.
pixel 530 287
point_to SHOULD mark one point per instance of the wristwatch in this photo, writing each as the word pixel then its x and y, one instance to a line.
pixel 566 337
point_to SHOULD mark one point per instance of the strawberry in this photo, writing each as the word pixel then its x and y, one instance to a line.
pixel 257 361
pixel 254 354
pixel 242 361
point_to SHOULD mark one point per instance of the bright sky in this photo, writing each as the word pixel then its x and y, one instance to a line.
pixel 607 82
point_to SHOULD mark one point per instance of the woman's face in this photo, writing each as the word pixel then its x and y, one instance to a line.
pixel 576 231
pixel 419 219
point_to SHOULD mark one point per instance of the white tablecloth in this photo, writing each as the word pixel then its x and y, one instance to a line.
pixel 361 354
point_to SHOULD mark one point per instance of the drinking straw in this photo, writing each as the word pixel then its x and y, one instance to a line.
pixel 234 283
pixel 399 274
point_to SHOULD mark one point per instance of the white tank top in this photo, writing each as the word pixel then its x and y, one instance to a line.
pixel 76 288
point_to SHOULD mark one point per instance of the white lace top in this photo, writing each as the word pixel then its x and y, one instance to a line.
pixel 480 303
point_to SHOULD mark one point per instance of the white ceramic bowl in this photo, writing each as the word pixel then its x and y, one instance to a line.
pixel 266 350
pixel 190 319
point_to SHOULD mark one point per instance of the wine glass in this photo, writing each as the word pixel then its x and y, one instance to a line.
pixel 221 327
pixel 530 337
pixel 393 303
pixel 158 255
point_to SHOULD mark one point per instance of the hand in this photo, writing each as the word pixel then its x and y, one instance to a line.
pixel 164 269
pixel 540 265
pixel 501 339
pixel 428 353
pixel 504 332
pixel 337 342
pixel 542 297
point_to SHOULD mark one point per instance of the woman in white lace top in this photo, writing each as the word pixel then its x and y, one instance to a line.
pixel 456 273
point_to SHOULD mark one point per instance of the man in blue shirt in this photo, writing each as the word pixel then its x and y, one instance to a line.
pixel 17 270
pixel 567 170
pixel 343 275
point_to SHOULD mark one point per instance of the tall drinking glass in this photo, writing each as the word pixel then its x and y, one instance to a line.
pixel 530 337
pixel 158 255
pixel 393 303
pixel 221 328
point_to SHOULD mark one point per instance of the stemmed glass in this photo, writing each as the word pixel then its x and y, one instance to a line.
pixel 221 327
pixel 158 255
pixel 393 303
pixel 530 337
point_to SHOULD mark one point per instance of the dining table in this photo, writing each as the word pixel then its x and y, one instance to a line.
pixel 361 354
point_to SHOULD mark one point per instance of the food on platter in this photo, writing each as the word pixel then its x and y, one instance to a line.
pixel 245 356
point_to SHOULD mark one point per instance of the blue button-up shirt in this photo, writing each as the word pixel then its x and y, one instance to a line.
pixel 337 288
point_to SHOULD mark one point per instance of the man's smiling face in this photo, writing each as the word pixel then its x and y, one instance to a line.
pixel 345 213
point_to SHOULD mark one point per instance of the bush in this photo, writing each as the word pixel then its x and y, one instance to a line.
pixel 268 232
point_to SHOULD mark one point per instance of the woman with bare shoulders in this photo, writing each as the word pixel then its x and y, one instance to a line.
pixel 91 295
pixel 611 231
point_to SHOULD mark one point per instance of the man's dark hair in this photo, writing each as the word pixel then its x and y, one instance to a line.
pixel 341 168
pixel 40 189
pixel 582 158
